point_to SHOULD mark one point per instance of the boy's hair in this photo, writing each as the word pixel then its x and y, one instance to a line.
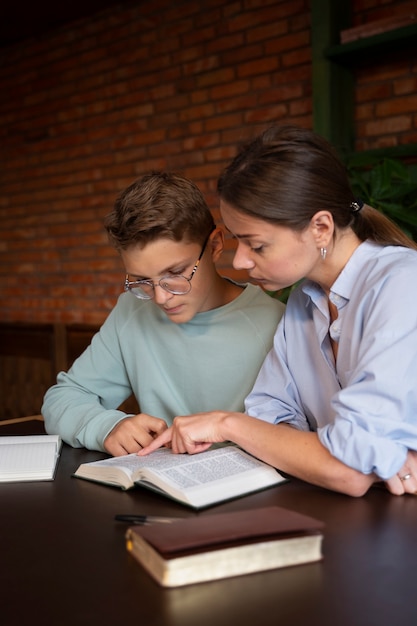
pixel 159 205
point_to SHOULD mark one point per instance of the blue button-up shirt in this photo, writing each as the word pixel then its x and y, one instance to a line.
pixel 364 406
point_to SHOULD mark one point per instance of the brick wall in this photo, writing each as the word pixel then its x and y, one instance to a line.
pixel 386 93
pixel 88 107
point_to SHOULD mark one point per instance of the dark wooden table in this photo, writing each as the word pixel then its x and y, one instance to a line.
pixel 63 559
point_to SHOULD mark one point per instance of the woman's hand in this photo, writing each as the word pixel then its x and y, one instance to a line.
pixel 405 481
pixel 190 433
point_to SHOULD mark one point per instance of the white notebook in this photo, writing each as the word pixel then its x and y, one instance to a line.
pixel 29 457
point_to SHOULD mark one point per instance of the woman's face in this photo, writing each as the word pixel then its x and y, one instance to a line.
pixel 274 256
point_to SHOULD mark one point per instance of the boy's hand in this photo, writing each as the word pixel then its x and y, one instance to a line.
pixel 159 442
pixel 133 433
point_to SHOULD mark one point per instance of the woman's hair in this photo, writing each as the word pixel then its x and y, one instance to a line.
pixel 287 174
pixel 159 205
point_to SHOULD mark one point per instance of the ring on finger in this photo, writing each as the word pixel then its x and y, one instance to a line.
pixel 405 477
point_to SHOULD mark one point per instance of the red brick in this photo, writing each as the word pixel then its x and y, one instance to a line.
pixel 385 126
pixel 405 104
pixel 264 65
pixel 405 85
pixel 90 106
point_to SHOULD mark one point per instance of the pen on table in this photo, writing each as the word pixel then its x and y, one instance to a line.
pixel 145 519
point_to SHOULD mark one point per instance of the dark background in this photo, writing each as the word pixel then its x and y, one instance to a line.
pixel 32 18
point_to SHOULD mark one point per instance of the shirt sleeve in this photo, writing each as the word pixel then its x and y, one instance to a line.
pixel 274 397
pixel 376 410
pixel 365 412
pixel 82 406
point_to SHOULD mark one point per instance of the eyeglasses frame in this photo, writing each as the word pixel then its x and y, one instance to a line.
pixel 137 283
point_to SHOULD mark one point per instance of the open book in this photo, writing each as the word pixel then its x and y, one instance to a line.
pixel 195 480
pixel 29 457
pixel 211 547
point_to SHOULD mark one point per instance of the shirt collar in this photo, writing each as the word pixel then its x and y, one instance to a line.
pixel 348 278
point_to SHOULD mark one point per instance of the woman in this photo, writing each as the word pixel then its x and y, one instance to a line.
pixel 335 402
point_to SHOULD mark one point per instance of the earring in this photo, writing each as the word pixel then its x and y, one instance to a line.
pixel 323 253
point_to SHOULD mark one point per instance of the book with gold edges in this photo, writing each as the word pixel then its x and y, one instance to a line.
pixel 211 547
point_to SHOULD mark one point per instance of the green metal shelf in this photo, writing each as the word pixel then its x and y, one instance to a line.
pixel 363 48
pixel 403 151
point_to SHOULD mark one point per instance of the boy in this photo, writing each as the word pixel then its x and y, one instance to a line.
pixel 190 341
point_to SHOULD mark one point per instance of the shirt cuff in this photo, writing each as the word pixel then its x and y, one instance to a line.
pixel 362 450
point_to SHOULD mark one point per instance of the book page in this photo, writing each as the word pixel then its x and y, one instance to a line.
pixel 28 458
pixel 197 480
pixel 209 477
pixel 187 471
pixel 184 470
pixel 7 441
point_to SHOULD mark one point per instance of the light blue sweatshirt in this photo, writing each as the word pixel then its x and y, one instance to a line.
pixel 208 363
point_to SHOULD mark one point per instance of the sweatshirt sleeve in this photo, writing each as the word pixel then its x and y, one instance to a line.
pixel 82 405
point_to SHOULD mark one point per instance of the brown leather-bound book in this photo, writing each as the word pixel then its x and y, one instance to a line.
pixel 211 547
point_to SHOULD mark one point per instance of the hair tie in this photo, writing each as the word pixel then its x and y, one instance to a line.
pixel 356 205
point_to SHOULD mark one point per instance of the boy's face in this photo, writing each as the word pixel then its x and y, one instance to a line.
pixel 164 257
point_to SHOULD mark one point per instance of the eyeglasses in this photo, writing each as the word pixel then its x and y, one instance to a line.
pixel 176 284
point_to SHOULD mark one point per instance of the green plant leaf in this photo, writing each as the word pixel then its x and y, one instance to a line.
pixel 388 185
